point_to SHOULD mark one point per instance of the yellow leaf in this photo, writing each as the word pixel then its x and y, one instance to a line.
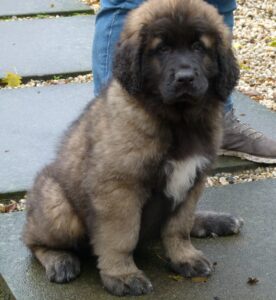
pixel 199 279
pixel 176 277
pixel 12 80
pixel 244 67
pixel 272 43
pixel 237 45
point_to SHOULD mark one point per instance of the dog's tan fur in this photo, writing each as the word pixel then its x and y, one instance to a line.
pixel 111 160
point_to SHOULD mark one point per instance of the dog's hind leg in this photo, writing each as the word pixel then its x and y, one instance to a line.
pixel 212 224
pixel 53 229
pixel 61 266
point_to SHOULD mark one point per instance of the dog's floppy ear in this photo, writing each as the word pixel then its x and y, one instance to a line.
pixel 128 63
pixel 228 72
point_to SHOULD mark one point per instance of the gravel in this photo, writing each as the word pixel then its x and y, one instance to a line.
pixel 260 173
pixel 255 44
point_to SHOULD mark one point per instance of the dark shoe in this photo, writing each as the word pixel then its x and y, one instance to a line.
pixel 245 142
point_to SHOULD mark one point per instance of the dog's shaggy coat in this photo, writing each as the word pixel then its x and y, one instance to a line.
pixel 133 165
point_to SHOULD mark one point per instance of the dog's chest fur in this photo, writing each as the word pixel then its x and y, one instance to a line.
pixel 181 176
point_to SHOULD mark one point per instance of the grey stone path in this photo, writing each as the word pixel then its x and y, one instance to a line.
pixel 249 111
pixel 252 253
pixel 31 121
pixel 30 7
pixel 45 47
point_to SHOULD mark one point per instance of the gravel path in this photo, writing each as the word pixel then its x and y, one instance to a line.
pixel 260 173
pixel 255 44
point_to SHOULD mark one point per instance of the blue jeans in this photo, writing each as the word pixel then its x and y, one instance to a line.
pixel 109 24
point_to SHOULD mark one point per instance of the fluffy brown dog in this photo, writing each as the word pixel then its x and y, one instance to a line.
pixel 133 165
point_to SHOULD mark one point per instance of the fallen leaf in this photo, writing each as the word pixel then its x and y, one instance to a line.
pixel 11 207
pixel 6 208
pixel 199 279
pixel 176 277
pixel 12 79
pixel 244 67
pixel 252 280
pixel 2 208
pixel 237 45
pixel 272 43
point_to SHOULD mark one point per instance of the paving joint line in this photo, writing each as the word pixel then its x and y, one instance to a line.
pixel 87 12
pixel 57 76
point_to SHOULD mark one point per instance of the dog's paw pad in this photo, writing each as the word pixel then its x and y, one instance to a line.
pixel 237 225
pixel 63 269
pixel 211 224
pixel 197 267
pixel 132 285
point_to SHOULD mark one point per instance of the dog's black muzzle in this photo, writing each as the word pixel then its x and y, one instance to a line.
pixel 183 82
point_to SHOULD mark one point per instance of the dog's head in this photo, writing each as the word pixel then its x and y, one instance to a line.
pixel 177 51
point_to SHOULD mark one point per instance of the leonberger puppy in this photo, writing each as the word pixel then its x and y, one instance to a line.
pixel 133 165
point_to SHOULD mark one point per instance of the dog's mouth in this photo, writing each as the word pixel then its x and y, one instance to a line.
pixel 190 95
pixel 186 97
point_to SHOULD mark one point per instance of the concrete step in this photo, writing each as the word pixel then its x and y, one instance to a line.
pixel 249 254
pixel 33 119
pixel 31 7
pixel 45 47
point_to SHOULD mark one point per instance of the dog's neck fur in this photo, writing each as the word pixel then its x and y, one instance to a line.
pixel 198 131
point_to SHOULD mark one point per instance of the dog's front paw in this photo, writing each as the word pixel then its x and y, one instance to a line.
pixel 63 268
pixel 196 266
pixel 208 224
pixel 129 284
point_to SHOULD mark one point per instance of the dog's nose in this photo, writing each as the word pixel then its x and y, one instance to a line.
pixel 185 76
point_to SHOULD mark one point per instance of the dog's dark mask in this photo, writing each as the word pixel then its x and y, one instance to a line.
pixel 175 63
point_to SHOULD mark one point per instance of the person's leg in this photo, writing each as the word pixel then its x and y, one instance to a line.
pixel 240 139
pixel 109 24
pixel 226 9
pixel 229 21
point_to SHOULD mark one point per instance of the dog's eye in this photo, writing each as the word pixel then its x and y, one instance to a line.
pixel 197 46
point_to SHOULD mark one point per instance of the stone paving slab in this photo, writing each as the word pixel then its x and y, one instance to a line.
pixel 31 7
pixel 33 119
pixel 252 253
pixel 260 118
pixel 232 164
pixel 45 47
pixel 31 122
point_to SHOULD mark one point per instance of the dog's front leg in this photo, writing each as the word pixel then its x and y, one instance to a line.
pixel 184 258
pixel 115 236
